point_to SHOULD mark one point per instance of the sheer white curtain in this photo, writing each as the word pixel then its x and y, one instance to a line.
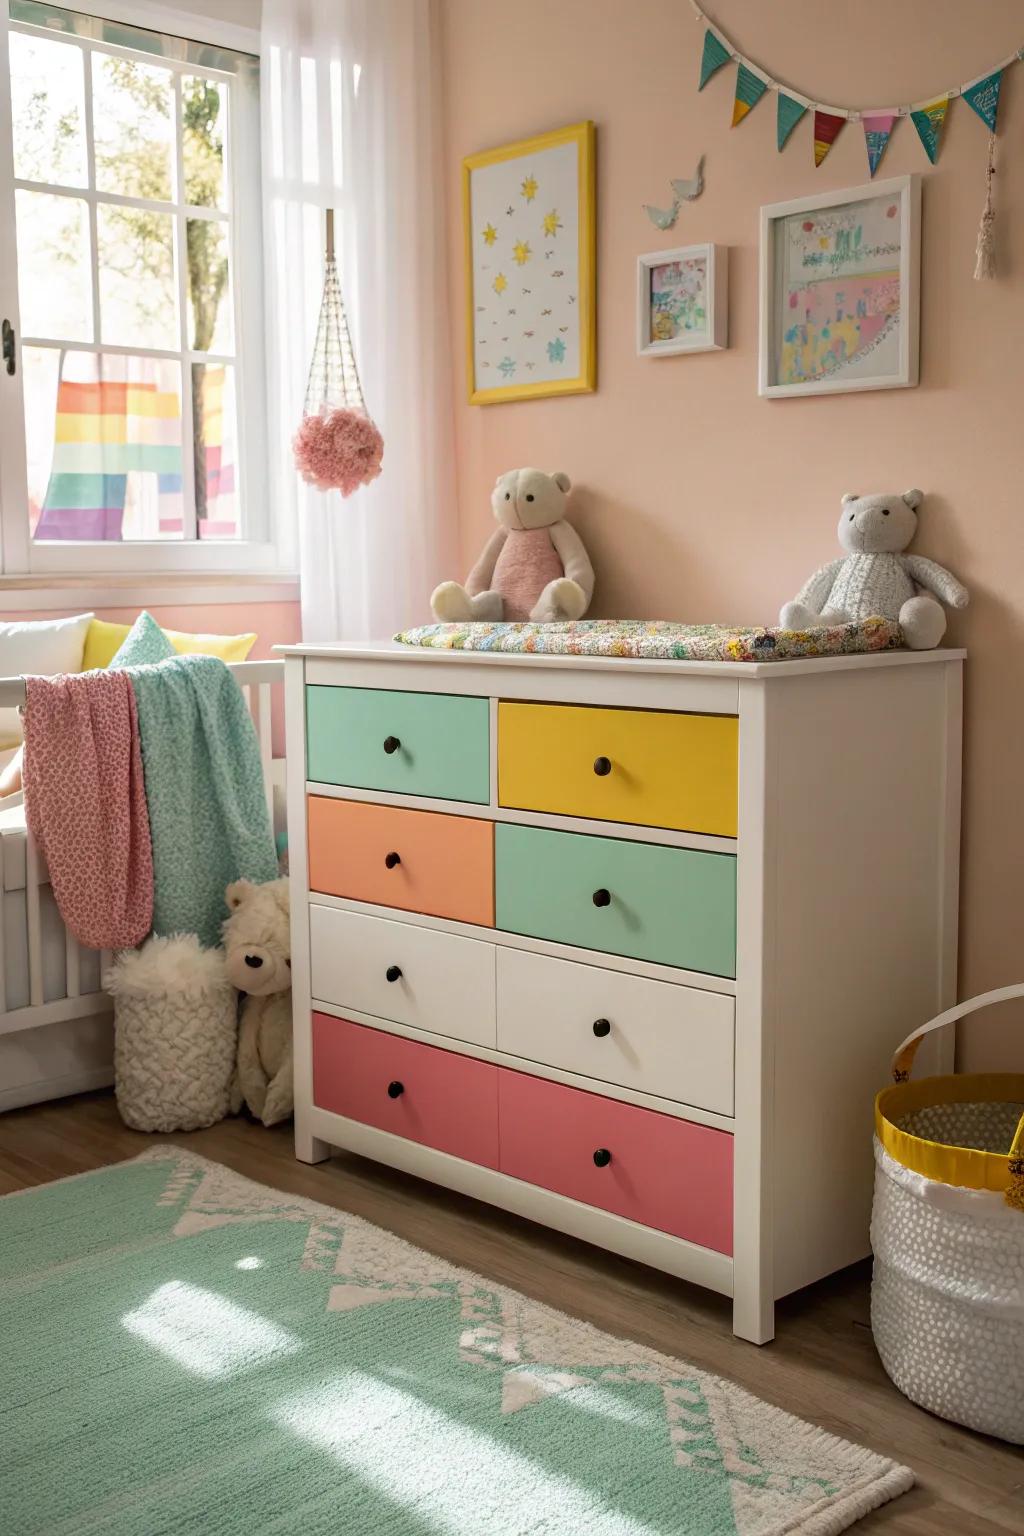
pixel 350 102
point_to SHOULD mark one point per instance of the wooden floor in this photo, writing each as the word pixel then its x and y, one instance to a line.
pixel 821 1366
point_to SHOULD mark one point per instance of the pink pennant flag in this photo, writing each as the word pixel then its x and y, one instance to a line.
pixel 877 129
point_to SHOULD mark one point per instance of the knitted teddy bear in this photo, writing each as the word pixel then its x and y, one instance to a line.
pixel 257 942
pixel 534 565
pixel 876 577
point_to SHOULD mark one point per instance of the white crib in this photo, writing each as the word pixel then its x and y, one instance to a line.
pixel 56 1024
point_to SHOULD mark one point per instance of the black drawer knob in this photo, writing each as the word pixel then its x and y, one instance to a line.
pixel 391 859
pixel 602 898
pixel 391 744
pixel 602 766
pixel 393 973
pixel 395 1089
pixel 602 1157
pixel 602 1027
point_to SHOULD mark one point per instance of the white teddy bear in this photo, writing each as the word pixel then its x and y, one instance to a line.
pixel 257 944
pixel 876 577
pixel 534 565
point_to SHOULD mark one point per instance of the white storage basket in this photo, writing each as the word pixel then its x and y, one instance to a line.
pixel 175 1028
pixel 947 1229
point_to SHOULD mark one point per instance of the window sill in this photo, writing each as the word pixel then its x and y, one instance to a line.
pixel 23 594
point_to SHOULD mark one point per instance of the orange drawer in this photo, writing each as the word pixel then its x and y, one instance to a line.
pixel 421 861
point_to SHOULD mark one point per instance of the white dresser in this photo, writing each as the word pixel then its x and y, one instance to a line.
pixel 623 946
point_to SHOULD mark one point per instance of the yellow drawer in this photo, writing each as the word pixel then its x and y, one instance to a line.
pixel 633 765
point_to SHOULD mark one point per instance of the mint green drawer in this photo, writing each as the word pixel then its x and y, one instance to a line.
pixel 442 742
pixel 670 905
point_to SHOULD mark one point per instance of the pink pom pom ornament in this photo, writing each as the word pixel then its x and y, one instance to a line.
pixel 337 447
pixel 340 450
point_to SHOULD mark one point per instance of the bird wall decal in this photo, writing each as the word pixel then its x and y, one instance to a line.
pixel 688 190
pixel 685 189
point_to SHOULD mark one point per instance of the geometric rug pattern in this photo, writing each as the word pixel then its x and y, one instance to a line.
pixel 185 1351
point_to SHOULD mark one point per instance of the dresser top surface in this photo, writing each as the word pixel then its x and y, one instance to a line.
pixel 386 651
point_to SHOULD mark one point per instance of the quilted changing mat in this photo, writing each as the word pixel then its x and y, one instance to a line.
pixel 658 639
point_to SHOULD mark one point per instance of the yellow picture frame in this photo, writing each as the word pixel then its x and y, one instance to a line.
pixel 583 344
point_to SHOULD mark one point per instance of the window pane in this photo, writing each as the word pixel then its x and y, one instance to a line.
pixel 133 117
pixel 216 439
pixel 138 291
pixel 104 445
pixel 209 291
pixel 204 109
pixel 48 110
pixel 54 284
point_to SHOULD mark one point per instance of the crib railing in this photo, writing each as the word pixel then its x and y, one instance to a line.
pixel 258 681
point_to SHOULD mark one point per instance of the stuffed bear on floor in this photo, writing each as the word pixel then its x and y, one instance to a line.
pixel 877 577
pixel 257 943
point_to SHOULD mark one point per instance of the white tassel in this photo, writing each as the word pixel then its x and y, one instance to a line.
pixel 985 265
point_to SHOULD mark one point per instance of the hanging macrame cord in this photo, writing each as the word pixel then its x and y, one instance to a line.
pixel 985 266
pixel 337 446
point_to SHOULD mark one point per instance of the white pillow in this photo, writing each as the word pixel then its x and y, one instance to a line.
pixel 42 647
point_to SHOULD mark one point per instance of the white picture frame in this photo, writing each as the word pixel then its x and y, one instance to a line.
pixel 879 301
pixel 704 288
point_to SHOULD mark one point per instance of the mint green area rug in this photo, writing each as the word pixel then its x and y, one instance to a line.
pixel 188 1352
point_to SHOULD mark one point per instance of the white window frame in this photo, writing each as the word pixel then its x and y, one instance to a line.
pixel 260 548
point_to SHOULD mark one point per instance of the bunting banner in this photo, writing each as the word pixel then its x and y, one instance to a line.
pixel 877 129
pixel 789 114
pixel 826 131
pixel 749 90
pixel 981 95
pixel 714 56
pixel 928 121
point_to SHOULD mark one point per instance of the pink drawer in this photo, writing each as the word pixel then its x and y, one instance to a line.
pixel 662 1172
pixel 417 1091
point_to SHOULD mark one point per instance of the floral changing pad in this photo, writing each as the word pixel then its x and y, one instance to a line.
pixel 658 639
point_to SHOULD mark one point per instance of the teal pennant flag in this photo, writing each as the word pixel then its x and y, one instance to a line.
pixel 928 120
pixel 749 90
pixel 714 56
pixel 983 96
pixel 788 115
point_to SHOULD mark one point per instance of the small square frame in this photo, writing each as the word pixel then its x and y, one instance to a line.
pixel 715 337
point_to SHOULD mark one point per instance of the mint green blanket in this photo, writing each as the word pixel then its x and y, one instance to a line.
pixel 204 786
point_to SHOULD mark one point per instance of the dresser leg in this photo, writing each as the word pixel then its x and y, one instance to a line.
pixel 309 1148
pixel 753 1316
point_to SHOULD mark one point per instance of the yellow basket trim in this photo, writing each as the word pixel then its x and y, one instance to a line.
pixel 962 1167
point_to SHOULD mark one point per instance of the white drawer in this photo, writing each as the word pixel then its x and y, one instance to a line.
pixel 445 983
pixel 676 1042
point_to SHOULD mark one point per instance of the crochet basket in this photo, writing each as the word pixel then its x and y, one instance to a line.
pixel 947 1229
pixel 175 1028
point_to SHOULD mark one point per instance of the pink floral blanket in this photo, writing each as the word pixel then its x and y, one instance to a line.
pixel 85 804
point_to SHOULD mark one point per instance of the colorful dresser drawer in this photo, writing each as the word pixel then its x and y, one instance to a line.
pixel 417 1091
pixel 654 1169
pixel 435 981
pixel 421 861
pixel 410 743
pixel 674 906
pixel 654 769
pixel 649 1036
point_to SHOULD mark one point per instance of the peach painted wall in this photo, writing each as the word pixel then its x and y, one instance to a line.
pixel 697 499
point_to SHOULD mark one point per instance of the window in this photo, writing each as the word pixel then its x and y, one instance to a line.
pixel 131 429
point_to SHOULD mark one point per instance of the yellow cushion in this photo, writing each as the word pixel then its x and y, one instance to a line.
pixel 103 641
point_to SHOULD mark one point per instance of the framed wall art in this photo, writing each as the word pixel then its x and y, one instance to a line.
pixel 840 299
pixel 531 297
pixel 681 301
